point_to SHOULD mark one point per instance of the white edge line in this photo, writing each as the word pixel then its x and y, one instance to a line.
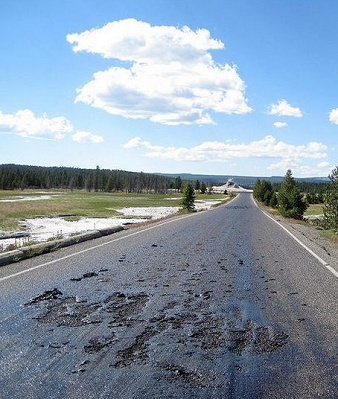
pixel 322 261
pixel 89 249
pixel 100 245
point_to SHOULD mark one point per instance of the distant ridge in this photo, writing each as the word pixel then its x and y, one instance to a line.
pixel 241 180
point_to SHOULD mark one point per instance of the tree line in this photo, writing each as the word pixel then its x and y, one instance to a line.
pixel 288 198
pixel 292 198
pixel 20 177
pixel 14 177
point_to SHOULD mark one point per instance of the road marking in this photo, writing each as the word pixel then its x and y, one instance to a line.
pixel 102 245
pixel 91 248
pixel 322 261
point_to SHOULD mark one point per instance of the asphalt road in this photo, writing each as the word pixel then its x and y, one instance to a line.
pixel 221 304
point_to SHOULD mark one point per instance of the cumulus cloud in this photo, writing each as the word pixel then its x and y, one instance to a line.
pixel 334 116
pixel 26 124
pixel 133 40
pixel 87 137
pixel 319 169
pixel 283 108
pixel 280 125
pixel 324 165
pixel 267 147
pixel 169 76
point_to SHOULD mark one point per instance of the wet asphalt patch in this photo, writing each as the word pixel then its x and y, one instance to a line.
pixel 130 328
pixel 46 296
pixel 228 332
pixel 97 344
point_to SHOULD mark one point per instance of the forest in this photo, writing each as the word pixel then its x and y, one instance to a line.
pixel 20 177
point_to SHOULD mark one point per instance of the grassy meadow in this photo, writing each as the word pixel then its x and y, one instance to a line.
pixel 314 209
pixel 76 204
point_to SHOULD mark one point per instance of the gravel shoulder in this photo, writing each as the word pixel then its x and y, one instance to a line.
pixel 314 239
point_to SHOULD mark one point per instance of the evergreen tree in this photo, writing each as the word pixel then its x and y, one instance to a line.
pixel 331 202
pixel 264 192
pixel 188 200
pixel 203 187
pixel 97 179
pixel 178 183
pixel 273 200
pixel 291 202
pixel 110 184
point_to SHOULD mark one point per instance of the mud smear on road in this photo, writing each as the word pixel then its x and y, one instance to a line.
pixel 124 308
pixel 257 339
pixel 97 344
pixel 46 296
pixel 210 333
pixel 69 313
pixel 76 312
pixel 193 378
pixel 138 351
pixel 85 275
pixel 139 335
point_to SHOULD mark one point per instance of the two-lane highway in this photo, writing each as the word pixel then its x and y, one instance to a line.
pixel 220 304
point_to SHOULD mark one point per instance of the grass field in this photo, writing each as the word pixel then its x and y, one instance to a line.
pixel 314 209
pixel 73 204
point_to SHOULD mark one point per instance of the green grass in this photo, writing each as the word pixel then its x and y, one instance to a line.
pixel 314 209
pixel 329 233
pixel 75 204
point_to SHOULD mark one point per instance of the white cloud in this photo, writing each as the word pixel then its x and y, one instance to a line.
pixel 26 124
pixel 132 40
pixel 320 169
pixel 280 125
pixel 324 165
pixel 334 116
pixel 172 78
pixel 87 137
pixel 267 147
pixel 283 108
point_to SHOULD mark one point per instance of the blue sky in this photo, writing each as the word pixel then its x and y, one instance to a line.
pixel 228 87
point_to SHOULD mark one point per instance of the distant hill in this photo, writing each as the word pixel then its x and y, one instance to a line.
pixel 246 181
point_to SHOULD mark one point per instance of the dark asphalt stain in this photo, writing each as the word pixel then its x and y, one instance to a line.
pixel 69 313
pixel 191 377
pixel 46 296
pixel 97 344
pixel 85 275
pixel 138 351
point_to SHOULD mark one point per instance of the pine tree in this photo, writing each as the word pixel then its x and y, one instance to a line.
pixel 97 179
pixel 188 200
pixel 291 202
pixel 331 202
pixel 178 183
